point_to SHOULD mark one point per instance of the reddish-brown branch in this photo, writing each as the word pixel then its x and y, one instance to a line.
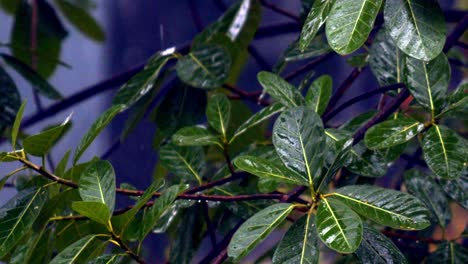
pixel 347 83
pixel 252 96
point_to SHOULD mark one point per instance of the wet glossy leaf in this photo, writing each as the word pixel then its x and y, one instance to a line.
pixel 81 251
pixel 280 90
pixel 386 207
pixel 256 229
pixel 195 136
pixel 458 102
pixel 97 184
pixel 207 66
pixel 319 93
pixel 299 140
pixel 299 244
pixel 449 253
pixel 367 162
pixel 350 22
pixel 16 124
pixel 456 189
pixel 416 26
pixel 10 100
pixel 185 162
pixel 317 16
pixel 377 248
pixel 95 211
pixel 341 158
pixel 392 132
pixel 445 152
pixel 218 113
pixel 338 226
pixel 108 259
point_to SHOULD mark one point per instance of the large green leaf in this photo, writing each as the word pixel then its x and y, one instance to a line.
pixel 338 226
pixel 81 251
pixel 299 244
pixel 98 125
pixel 449 253
pixel 456 189
pixel 317 16
pixel 341 158
pixel 350 22
pixel 256 229
pixel 430 193
pixel 218 113
pixel 95 211
pixel 319 93
pixel 97 184
pixel 392 132
pixel 367 162
pixel 16 124
pixel 185 162
pixel 416 26
pixel 386 207
pixel 445 152
pixel 378 249
pixel 386 60
pixel 10 100
pixel 428 82
pixel 280 90
pixel 457 103
pixel 299 140
pixel 195 136
pixel 17 217
pixel 40 144
pixel 265 168
pixel 206 66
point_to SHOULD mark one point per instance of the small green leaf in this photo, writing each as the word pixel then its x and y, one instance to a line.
pixel 417 27
pixel 317 16
pixel 358 61
pixel 61 167
pixel 10 100
pixel 458 102
pixel 386 207
pixel 280 90
pixel 341 158
pixel 206 67
pixel 449 253
pixel 445 152
pixel 108 259
pixel 338 226
pixel 185 162
pixel 16 124
pixel 367 162
pixel 81 251
pixel 350 22
pixel 392 132
pixel 195 136
pixel 98 125
pixel 95 211
pixel 218 113
pixel 256 229
pixel 299 244
pixel 97 184
pixel 319 93
pixel 456 189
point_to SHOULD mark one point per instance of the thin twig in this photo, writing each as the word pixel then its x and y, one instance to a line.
pixel 279 10
pixel 347 83
pixel 309 66
pixel 209 225
pixel 457 32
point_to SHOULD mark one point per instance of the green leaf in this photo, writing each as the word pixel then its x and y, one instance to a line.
pixel 416 26
pixel 185 162
pixel 319 93
pixel 317 16
pixel 109 259
pixel 338 226
pixel 428 82
pixel 62 165
pixel 38 82
pixel 392 132
pixel 444 151
pixel 350 22
pixel 367 162
pixel 206 66
pixel 97 184
pixel 16 124
pixel 265 168
pixel 341 158
pixel 17 217
pixel 81 251
pixel 40 144
pixel 81 19
pixel 10 100
pixel 280 90
pixel 195 136
pixel 95 211
pixel 218 113
pixel 456 189
pixel 386 207
pixel 358 61
pixel 458 102
pixel 449 253
pixel 299 244
pixel 256 229
pixel 430 193
pixel 98 125
pixel 299 140
pixel 377 248
pixel 386 60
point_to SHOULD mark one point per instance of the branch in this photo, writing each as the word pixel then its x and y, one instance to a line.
pixel 347 83
pixel 309 66
pixel 456 33
pixel 279 10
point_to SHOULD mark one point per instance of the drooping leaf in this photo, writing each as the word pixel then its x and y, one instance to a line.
pixel 444 152
pixel 95 211
pixel 317 16
pixel 9 100
pixel 103 120
pixel 416 26
pixel 97 184
pixel 319 93
pixel 16 124
pixel 256 229
pixel 299 244
pixel 185 162
pixel 218 113
pixel 339 161
pixel 17 217
pixel 195 136
pixel 430 193
pixel 456 189
pixel 299 140
pixel 449 253
pixel 386 207
pixel 350 22
pixel 81 251
pixel 392 132
pixel 338 226
pixel 207 66
pixel 69 232
pixel 377 248
pixel 280 90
